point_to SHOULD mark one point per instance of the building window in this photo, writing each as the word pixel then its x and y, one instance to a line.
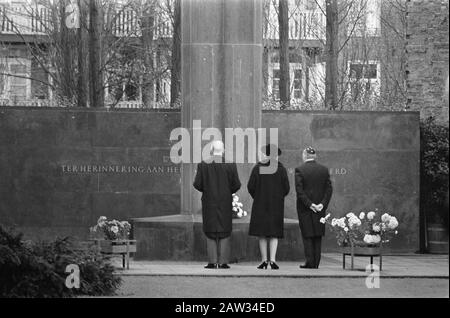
pixel 297 84
pixel 364 78
pixel 363 71
pixel 276 84
pixel 311 5
pixel 365 19
pixel 15 80
pixel 18 81
pixel 295 78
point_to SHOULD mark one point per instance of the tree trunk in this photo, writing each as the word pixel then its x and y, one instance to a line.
pixel 67 55
pixel 175 80
pixel 148 20
pixel 332 42
pixel 83 78
pixel 265 72
pixel 283 24
pixel 307 78
pixel 266 51
pixel 95 54
pixel 158 80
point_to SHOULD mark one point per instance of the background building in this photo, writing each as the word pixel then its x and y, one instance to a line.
pixel 42 59
pixel 427 58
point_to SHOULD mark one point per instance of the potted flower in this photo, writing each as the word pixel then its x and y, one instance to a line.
pixel 363 235
pixel 238 211
pixel 112 237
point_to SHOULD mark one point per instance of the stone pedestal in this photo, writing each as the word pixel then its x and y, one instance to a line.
pixel 181 238
pixel 221 76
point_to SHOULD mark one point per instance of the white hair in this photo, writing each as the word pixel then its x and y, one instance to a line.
pixel 217 147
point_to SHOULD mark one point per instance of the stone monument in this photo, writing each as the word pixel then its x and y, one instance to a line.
pixel 221 74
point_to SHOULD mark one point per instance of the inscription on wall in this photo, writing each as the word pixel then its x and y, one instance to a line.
pixel 99 168
pixel 340 171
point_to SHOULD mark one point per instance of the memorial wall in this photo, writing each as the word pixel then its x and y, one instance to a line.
pixel 373 159
pixel 60 169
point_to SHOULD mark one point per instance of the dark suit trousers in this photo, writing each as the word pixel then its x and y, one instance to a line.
pixel 313 249
pixel 218 250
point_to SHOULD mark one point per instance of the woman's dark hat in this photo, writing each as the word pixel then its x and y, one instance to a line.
pixel 271 149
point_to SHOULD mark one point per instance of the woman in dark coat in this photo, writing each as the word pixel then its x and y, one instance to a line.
pixel 268 192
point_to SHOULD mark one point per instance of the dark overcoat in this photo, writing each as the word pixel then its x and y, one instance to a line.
pixel 313 185
pixel 268 192
pixel 217 181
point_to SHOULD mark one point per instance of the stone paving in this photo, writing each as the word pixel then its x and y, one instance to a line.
pixel 395 266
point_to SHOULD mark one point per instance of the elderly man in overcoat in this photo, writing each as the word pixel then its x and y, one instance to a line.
pixel 217 180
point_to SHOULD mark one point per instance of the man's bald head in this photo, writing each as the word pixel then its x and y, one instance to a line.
pixel 217 147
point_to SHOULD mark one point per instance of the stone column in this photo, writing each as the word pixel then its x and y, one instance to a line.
pixel 221 64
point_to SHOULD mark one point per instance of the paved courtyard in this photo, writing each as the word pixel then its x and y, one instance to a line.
pixel 404 266
pixel 402 276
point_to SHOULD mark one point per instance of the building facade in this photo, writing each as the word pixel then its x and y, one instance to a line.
pixel 428 57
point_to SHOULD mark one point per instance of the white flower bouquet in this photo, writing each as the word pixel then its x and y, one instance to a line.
pixel 366 229
pixel 111 229
pixel 238 208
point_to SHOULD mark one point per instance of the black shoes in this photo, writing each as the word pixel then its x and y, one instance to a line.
pixel 214 266
pixel 307 266
pixel 263 265
pixel 274 265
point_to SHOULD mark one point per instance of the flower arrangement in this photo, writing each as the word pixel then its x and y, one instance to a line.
pixel 112 229
pixel 238 211
pixel 366 229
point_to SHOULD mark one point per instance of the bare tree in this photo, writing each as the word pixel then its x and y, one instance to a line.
pixel 175 80
pixel 332 40
pixel 83 77
pixel 95 53
pixel 147 29
pixel 112 54
pixel 283 22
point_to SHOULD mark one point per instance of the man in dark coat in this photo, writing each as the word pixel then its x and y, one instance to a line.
pixel 314 190
pixel 217 181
